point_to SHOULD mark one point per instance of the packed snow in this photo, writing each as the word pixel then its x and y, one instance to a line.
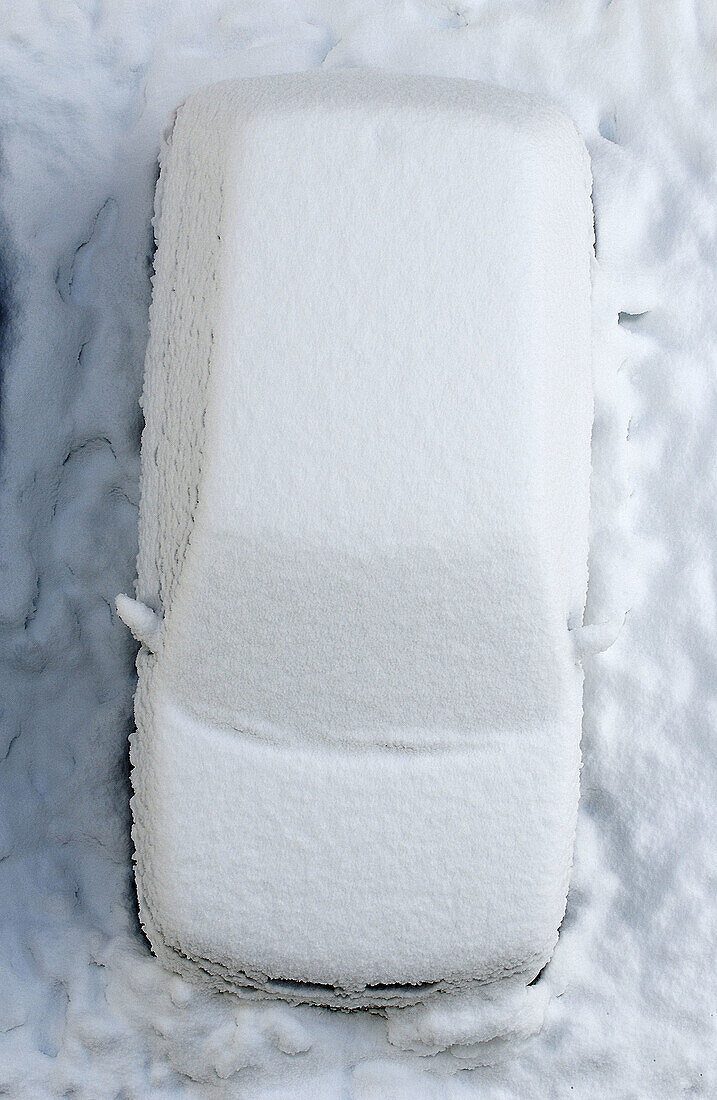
pixel 626 1006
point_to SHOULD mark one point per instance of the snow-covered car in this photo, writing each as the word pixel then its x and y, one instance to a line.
pixel 363 536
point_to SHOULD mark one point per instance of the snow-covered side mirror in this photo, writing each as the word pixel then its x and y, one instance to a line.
pixel 595 637
pixel 143 622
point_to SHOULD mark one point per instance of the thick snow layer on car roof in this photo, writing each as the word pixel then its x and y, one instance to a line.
pixel 398 402
pixel 371 350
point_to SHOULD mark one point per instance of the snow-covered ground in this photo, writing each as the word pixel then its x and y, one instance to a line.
pixel 85 1010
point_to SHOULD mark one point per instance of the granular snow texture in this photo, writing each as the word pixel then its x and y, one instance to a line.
pixel 84 1007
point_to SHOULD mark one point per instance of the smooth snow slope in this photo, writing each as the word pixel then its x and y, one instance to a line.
pixel 83 1005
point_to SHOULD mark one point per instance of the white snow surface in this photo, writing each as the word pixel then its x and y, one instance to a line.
pixel 356 760
pixel 627 1003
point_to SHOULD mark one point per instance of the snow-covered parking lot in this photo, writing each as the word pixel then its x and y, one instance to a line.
pixel 627 1006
